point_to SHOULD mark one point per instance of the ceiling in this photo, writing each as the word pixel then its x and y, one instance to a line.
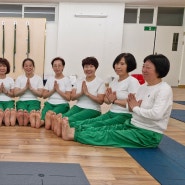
pixel 175 3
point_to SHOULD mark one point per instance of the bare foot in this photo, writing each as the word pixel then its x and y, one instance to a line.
pixel 13 117
pixel 53 120
pixel 26 118
pixel 20 117
pixel 1 117
pixel 7 117
pixel 48 120
pixel 37 119
pixel 58 125
pixel 33 118
pixel 67 132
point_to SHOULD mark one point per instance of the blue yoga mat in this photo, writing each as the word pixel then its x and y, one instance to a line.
pixel 166 163
pixel 180 102
pixel 178 114
pixel 36 173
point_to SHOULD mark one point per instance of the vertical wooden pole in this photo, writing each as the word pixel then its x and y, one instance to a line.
pixel 28 40
pixel 3 39
pixel 14 45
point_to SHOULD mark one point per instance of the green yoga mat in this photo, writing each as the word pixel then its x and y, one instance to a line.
pixel 33 173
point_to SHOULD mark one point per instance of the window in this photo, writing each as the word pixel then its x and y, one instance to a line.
pixel 146 16
pixel 175 41
pixel 130 15
pixel 40 12
pixel 8 10
pixel 170 16
pixel 18 10
pixel 139 15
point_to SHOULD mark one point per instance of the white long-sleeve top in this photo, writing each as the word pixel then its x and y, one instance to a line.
pixel 155 109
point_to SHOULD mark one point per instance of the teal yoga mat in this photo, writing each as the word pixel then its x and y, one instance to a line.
pixel 166 163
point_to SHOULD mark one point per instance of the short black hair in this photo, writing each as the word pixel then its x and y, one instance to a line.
pixel 5 62
pixel 28 59
pixel 90 61
pixel 161 63
pixel 129 59
pixel 58 58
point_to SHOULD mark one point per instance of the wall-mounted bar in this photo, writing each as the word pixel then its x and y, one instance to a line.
pixel 91 15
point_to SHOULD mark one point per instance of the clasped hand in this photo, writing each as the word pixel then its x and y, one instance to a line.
pixel 132 102
pixel 28 85
pixel 3 89
pixel 85 89
pixel 110 95
pixel 56 86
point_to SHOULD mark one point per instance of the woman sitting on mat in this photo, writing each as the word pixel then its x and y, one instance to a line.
pixel 89 91
pixel 57 89
pixel 7 104
pixel 151 107
pixel 116 93
pixel 28 87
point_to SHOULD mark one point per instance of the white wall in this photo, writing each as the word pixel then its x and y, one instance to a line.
pixel 75 38
pixel 138 42
pixel 141 43
pixel 79 38
pixel 182 73
pixel 50 47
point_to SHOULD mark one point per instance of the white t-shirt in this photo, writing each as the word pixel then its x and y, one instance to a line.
pixel 155 109
pixel 95 87
pixel 64 85
pixel 122 89
pixel 36 83
pixel 9 85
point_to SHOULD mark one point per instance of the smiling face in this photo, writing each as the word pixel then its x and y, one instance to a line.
pixel 121 68
pixel 89 70
pixel 28 68
pixel 58 67
pixel 149 72
pixel 3 69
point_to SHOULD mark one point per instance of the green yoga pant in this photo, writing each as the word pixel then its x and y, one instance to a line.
pixel 117 135
pixel 108 118
pixel 7 105
pixel 76 113
pixel 28 105
pixel 57 108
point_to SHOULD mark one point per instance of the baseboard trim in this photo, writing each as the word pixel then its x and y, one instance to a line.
pixel 181 86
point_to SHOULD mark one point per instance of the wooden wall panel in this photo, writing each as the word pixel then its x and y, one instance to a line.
pixel 37 29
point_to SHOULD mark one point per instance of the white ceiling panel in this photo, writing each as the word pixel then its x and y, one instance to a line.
pixel 175 3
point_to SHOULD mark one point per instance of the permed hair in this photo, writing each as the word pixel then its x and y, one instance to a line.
pixel 90 61
pixel 58 58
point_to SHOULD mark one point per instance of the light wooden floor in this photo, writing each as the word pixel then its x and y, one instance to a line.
pixel 102 165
